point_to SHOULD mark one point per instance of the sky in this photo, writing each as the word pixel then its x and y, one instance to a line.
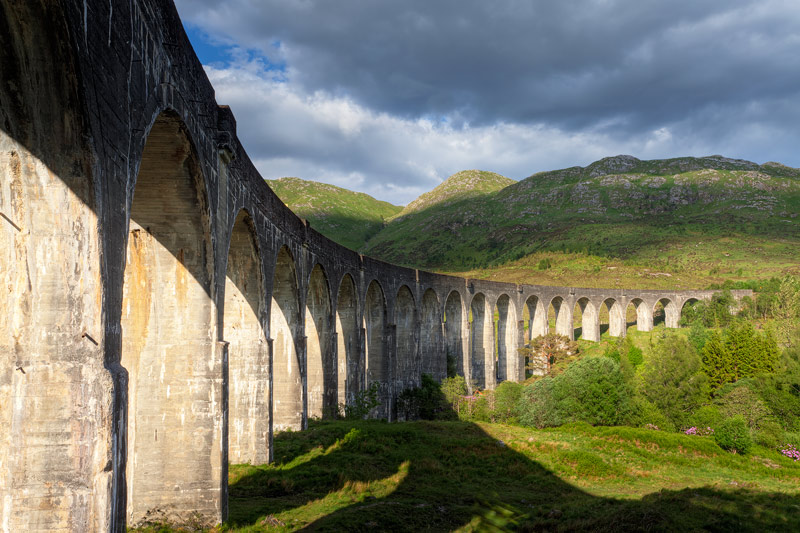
pixel 390 97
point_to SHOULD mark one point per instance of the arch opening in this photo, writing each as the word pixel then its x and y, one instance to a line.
pixel 407 367
pixel 454 327
pixel 586 320
pixel 639 314
pixel 168 348
pixel 559 318
pixel 284 327
pixel 432 352
pixel 616 325
pixel 377 364
pixel 666 312
pixel 248 355
pixel 347 342
pixel 535 318
pixel 322 377
pixel 509 365
pixel 481 344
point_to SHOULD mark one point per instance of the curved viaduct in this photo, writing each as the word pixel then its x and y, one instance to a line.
pixel 165 313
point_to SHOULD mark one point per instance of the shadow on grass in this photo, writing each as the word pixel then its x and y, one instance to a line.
pixel 439 476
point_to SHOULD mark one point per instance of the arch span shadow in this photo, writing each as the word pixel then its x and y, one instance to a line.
pixel 424 476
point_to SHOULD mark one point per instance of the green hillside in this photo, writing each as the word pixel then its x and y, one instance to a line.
pixel 460 186
pixel 347 217
pixel 683 222
pixel 673 223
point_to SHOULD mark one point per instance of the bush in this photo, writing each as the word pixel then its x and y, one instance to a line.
pixel 741 400
pixel 506 400
pixel 672 381
pixel 364 402
pixel 591 390
pixel 453 388
pixel 427 402
pixel 646 415
pixel 770 435
pixel 781 391
pixel 635 356
pixel 732 435
pixel 706 416
pixel 594 390
pixel 538 406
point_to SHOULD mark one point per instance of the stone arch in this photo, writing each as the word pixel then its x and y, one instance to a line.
pixel 616 318
pixel 407 368
pixel 377 361
pixel 347 341
pixel 561 316
pixel 671 313
pixel 284 327
pixel 644 315
pixel 56 397
pixel 690 302
pixel 481 343
pixel 509 365
pixel 248 354
pixel 434 360
pixel 321 368
pixel 168 347
pixel 590 320
pixel 535 317
pixel 455 325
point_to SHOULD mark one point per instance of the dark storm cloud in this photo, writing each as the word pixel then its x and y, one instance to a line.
pixel 570 63
pixel 391 97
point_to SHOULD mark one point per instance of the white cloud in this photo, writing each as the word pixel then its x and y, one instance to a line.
pixel 392 97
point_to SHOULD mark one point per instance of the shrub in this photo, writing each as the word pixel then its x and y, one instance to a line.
pixel 645 414
pixel 453 388
pixel 706 416
pixel 671 379
pixel 743 401
pixel 770 435
pixel 506 400
pixel 635 356
pixel 780 391
pixel 364 402
pixel 427 402
pixel 538 406
pixel 732 435
pixel 591 390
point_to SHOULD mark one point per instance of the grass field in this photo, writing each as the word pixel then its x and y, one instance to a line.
pixel 441 476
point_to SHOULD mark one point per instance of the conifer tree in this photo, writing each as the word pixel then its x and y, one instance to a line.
pixel 717 362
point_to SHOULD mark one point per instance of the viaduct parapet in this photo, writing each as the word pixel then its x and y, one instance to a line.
pixel 165 314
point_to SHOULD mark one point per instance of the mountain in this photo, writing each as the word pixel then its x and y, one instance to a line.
pixel 347 217
pixel 460 186
pixel 684 222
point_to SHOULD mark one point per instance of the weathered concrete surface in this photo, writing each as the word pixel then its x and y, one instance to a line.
pixel 248 353
pixel 165 312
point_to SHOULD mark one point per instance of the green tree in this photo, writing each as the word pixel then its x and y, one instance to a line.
pixel 717 362
pixel 544 351
pixel 672 379
pixel 788 298
pixel 741 352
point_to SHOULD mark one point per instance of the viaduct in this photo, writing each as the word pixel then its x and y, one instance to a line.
pixel 164 313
